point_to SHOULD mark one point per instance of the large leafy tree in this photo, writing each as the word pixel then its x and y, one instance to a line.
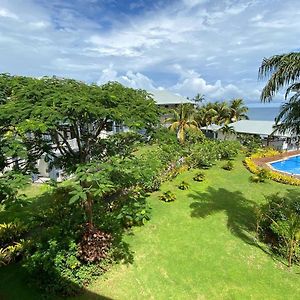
pixel 66 118
pixel 183 119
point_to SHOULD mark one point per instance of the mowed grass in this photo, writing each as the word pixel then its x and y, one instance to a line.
pixel 201 246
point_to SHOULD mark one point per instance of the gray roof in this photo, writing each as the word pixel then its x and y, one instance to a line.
pixel 212 127
pixel 256 127
pixel 164 97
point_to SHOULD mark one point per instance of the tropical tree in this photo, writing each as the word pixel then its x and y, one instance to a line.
pixel 183 119
pixel 222 113
pixel 206 114
pixel 289 116
pixel 227 130
pixel 199 98
pixel 238 110
pixel 282 70
pixel 63 121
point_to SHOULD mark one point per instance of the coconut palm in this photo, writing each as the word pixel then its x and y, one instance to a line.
pixel 223 113
pixel 289 116
pixel 227 131
pixel 206 114
pixel 183 120
pixel 282 70
pixel 199 98
pixel 238 110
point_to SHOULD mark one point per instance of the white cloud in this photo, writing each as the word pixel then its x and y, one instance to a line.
pixel 131 79
pixel 5 13
pixel 188 46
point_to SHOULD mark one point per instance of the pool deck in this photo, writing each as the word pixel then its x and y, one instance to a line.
pixel 264 161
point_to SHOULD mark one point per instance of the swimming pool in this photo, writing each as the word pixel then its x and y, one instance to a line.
pixel 289 165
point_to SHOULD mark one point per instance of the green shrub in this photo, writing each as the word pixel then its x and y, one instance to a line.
pixel 273 175
pixel 11 232
pixel 184 185
pixel 227 149
pixel 135 211
pixel 200 176
pixel 167 196
pixel 12 252
pixel 228 166
pixel 261 176
pixel 279 225
pixel 55 268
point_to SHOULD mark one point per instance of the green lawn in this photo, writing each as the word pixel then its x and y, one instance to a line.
pixel 198 247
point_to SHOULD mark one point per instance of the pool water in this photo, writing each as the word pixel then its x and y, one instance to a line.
pixel 290 165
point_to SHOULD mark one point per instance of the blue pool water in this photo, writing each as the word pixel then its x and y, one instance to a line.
pixel 290 165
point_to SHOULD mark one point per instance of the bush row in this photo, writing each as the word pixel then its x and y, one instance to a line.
pixel 273 175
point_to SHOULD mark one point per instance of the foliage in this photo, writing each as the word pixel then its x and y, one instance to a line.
pixel 280 225
pixel 12 252
pixel 122 144
pixel 10 184
pixel 288 119
pixel 221 113
pixel 56 269
pixel 251 142
pixel 63 112
pixel 200 176
pixel 167 196
pixel 273 175
pixel 268 152
pixel 228 166
pixel 261 175
pixel 135 211
pixel 282 70
pixel 183 120
pixel 11 232
pixel 163 136
pixel 184 185
pixel 204 155
pixel 12 244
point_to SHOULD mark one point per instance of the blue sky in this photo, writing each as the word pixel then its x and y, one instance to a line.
pixel 186 46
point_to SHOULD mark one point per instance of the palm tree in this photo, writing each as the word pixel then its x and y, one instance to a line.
pixel 289 116
pixel 238 110
pixel 183 120
pixel 223 113
pixel 199 98
pixel 227 130
pixel 282 70
pixel 206 114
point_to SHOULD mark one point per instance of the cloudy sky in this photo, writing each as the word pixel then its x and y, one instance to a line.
pixel 187 46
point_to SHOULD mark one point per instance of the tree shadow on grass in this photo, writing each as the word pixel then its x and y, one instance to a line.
pixel 240 211
pixel 14 286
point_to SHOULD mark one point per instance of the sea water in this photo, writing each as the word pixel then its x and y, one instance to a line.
pixel 263 113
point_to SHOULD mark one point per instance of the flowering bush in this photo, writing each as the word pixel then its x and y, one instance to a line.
pixel 276 176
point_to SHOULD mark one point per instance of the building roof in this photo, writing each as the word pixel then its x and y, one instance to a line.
pixel 164 97
pixel 212 127
pixel 256 127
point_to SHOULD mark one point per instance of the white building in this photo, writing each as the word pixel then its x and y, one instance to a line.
pixel 264 129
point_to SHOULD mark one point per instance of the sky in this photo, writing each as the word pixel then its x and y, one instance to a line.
pixel 186 46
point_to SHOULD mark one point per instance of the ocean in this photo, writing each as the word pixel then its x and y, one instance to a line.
pixel 263 113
